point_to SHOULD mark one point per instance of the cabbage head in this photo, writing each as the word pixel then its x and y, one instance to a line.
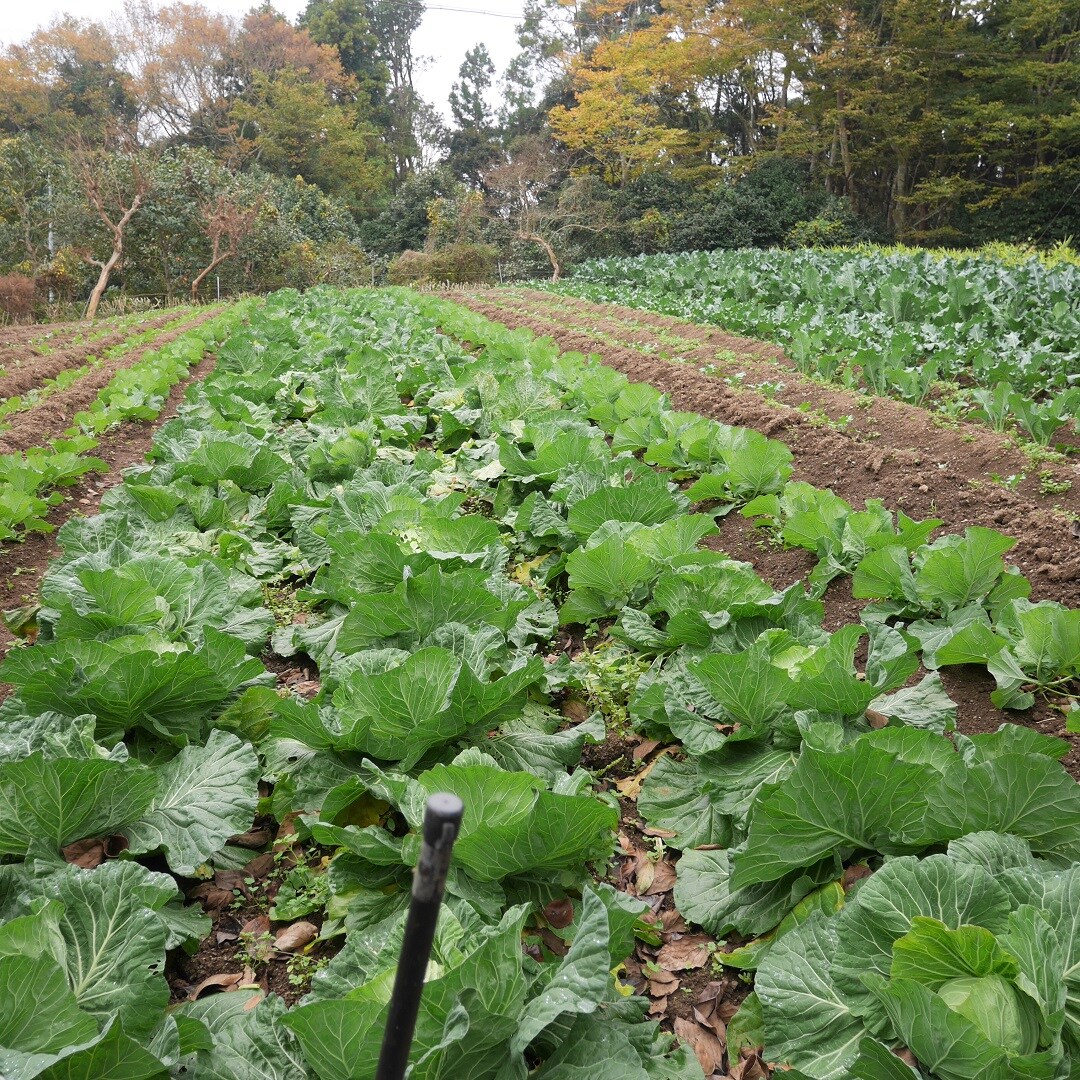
pixel 1008 1018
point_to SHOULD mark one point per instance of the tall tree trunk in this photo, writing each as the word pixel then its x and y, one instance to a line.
pixel 109 264
pixel 845 147
pixel 549 251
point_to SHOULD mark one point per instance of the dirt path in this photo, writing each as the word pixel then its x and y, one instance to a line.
pixel 36 425
pixel 22 565
pixel 908 463
pixel 25 366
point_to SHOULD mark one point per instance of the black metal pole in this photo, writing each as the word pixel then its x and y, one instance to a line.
pixel 442 820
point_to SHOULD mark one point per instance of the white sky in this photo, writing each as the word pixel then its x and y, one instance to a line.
pixel 443 37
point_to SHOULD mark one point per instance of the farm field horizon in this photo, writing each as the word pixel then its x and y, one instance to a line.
pixel 716 653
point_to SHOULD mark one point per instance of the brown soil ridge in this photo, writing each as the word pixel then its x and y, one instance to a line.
pixel 38 424
pixel 969 447
pixel 32 371
pixel 903 466
pixel 22 565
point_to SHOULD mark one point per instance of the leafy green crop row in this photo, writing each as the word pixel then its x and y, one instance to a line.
pixel 69 376
pixel 893 322
pixel 436 512
pixel 29 479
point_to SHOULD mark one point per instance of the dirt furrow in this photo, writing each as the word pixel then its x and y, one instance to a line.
pixel 887 468
pixel 37 425
pixel 25 368
pixel 963 448
pixel 22 565
pixel 912 466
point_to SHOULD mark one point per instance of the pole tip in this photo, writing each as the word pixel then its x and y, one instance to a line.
pixel 442 809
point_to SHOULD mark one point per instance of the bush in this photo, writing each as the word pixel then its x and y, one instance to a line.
pixel 17 294
pixel 834 226
pixel 457 264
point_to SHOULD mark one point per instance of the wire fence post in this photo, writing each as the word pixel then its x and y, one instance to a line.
pixel 442 820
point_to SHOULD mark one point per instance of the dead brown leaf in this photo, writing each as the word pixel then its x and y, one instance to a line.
pixel 708 1048
pixel 661 878
pixel 253 839
pixel 296 936
pixel 707 1009
pixel 671 922
pixel 559 913
pixel 684 952
pixel 658 1007
pixel 575 709
pixel 86 854
pixel 645 748
pixel 223 980
pixel 876 720
pixel 853 874
pixel 662 983
pixel 256 926
pixel 630 786
pixel 212 897
pixel 260 866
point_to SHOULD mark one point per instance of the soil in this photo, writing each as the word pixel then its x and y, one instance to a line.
pixel 36 425
pixel 22 565
pixel 28 360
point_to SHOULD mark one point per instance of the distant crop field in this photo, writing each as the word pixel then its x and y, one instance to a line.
pixel 978 337
pixel 756 773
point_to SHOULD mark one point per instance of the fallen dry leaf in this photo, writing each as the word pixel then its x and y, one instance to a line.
pixel 296 936
pixel 212 898
pixel 663 983
pixel 671 922
pixel 223 980
pixel 630 786
pixel 260 866
pixel 658 1007
pixel 259 924
pixel 645 748
pixel 664 834
pixel 661 878
pixel 687 951
pixel 253 838
pixel 559 913
pixel 708 1048
pixel 86 854
pixel 707 1009
pixel 575 709
pixel 853 874
pixel 876 720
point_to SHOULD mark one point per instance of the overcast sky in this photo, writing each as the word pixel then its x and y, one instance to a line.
pixel 444 36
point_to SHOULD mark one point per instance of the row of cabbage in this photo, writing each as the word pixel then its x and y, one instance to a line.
pixel 890 322
pixel 440 511
pixel 31 480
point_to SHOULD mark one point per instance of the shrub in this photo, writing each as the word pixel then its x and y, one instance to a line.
pixel 17 293
pixel 833 226
pixel 458 264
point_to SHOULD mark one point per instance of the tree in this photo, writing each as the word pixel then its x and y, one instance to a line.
pixel 473 145
pixel 115 183
pixel 527 193
pixel 67 79
pixel 226 223
pixel 346 26
pixel 179 57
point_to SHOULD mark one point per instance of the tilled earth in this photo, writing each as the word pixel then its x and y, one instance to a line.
pixel 861 448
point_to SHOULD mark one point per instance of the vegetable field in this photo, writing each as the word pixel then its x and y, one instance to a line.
pixel 756 774
pixel 975 337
